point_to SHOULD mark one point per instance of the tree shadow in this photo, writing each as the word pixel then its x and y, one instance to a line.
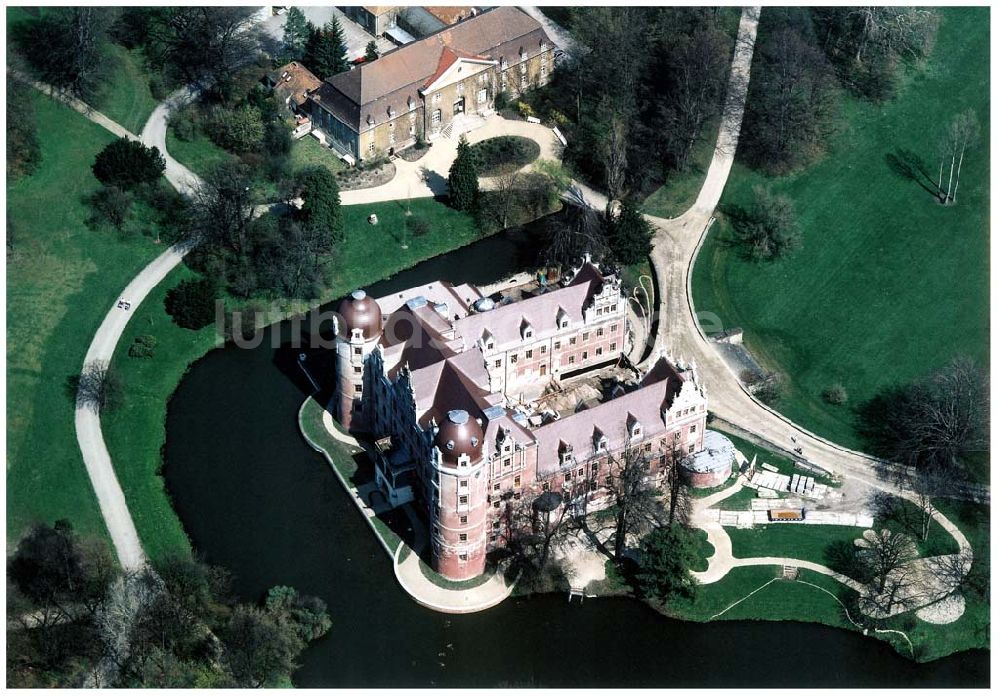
pixel 908 165
pixel 437 183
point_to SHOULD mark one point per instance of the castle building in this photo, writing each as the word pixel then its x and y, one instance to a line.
pixel 425 87
pixel 444 378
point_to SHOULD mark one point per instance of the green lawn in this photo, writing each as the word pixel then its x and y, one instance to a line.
pixel 127 98
pixel 199 154
pixel 136 434
pixel 307 152
pixel 888 285
pixel 61 280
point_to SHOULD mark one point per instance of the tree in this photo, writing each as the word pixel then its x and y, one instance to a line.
pixel 326 51
pixel 668 555
pixel 697 70
pixel 499 203
pixel 128 164
pixel 635 506
pixel 630 239
pixel 885 555
pixel 24 154
pixel 296 34
pixel 463 179
pixel 240 130
pixel 307 613
pixel 205 44
pixel 575 232
pixel 97 388
pixel 67 47
pixel 962 133
pixel 191 303
pixel 790 104
pixel 112 206
pixel 867 44
pixel 222 214
pixel 835 394
pixel 321 204
pixel 769 228
pixel 371 51
pixel 258 647
pixel 931 424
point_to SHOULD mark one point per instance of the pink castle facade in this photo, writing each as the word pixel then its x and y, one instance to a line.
pixel 440 375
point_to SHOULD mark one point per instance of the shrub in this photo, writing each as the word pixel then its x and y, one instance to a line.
pixel 419 227
pixel 558 118
pixel 191 303
pixel 185 125
pixel 503 154
pixel 769 228
pixel 144 346
pixel 112 206
pixel 501 100
pixel 525 110
pixel 127 164
pixel 835 394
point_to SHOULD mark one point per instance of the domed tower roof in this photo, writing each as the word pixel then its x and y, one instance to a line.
pixel 459 435
pixel 359 312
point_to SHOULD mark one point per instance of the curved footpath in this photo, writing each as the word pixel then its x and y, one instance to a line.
pixel 676 245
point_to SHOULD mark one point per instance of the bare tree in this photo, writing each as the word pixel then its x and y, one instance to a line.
pixel 880 30
pixel 885 554
pixel 962 133
pixel 502 198
pixel 616 158
pixel 576 231
pixel 626 483
pixel 530 526
pixel 97 388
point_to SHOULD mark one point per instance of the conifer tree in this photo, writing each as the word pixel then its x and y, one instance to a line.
pixel 297 32
pixel 463 179
pixel 371 52
pixel 326 52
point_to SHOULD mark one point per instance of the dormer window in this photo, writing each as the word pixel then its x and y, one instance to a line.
pixel 503 64
pixel 526 329
pixel 600 441
pixel 522 53
pixel 370 120
pixel 542 46
pixel 565 453
pixel 634 427
pixel 562 319
pixel 391 111
pixel 410 104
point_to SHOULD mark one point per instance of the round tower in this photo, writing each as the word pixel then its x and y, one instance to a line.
pixel 359 325
pixel 458 519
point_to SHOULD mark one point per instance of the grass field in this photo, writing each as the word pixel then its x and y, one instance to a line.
pixel 199 154
pixel 61 280
pixel 136 434
pixel 888 285
pixel 307 152
pixel 127 98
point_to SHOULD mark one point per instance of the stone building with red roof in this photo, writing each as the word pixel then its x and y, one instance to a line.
pixel 426 87
pixel 452 378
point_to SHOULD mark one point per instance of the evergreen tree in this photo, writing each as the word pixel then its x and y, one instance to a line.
pixel 128 164
pixel 463 179
pixel 297 31
pixel 326 52
pixel 630 238
pixel 321 203
pixel 668 554
pixel 371 52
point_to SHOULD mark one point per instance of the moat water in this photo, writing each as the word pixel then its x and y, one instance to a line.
pixel 257 500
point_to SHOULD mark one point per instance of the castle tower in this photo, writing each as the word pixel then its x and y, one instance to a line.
pixel 458 518
pixel 359 325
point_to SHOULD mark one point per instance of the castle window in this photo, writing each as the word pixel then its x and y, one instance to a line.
pixel 600 331
pixel 517 481
pixel 463 519
pixel 357 389
pixel 463 500
pixel 464 483
pixel 496 487
pixel 694 428
pixel 585 355
pixel 586 335
pixel 599 351
pixel 556 345
pixel 496 504
pixel 513 358
pixel 542 350
pixel 545 486
pixel 572 360
pixel 481 96
pixel 371 148
pixel 357 370
pixel 524 78
pixel 462 537
pixel 527 354
pixel 490 346
pixel 357 350
pixel 463 557
pixel 506 462
pixel 613 346
pixel 498 363
pixel 572 341
pixel 436 116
